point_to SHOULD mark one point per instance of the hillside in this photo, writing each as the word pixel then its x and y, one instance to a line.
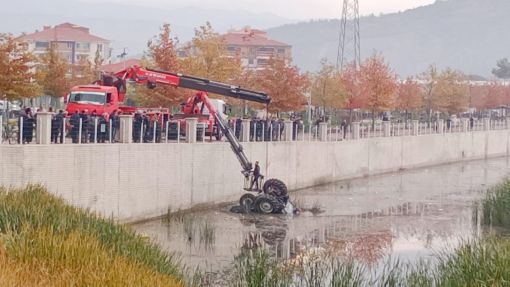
pixel 469 35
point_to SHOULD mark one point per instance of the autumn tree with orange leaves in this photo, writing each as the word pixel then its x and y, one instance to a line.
pixel 327 90
pixel 161 55
pixel 350 81
pixel 488 96
pixel 451 94
pixel 378 85
pixel 208 57
pixel 284 84
pixel 52 74
pixel 16 75
pixel 409 96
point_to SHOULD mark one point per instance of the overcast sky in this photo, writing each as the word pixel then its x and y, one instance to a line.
pixel 292 9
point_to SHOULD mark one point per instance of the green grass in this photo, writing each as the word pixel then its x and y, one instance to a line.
pixel 496 207
pixel 484 263
pixel 31 213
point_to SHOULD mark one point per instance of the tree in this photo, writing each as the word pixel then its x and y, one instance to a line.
pixel 52 73
pixel 327 90
pixel 16 73
pixel 208 56
pixel 430 99
pixel 409 96
pixel 502 70
pixel 284 84
pixel 378 85
pixel 161 55
pixel 451 92
pixel 488 96
pixel 98 60
pixel 350 81
pixel 82 73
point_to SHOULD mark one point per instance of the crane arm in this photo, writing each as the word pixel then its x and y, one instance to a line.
pixel 154 77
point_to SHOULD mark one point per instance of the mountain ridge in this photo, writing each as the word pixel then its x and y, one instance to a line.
pixel 468 35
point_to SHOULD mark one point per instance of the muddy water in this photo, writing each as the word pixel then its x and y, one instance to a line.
pixel 409 215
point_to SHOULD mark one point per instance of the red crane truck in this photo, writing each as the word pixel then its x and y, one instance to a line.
pixel 107 94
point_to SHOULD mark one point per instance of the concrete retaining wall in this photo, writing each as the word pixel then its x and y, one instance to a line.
pixel 140 181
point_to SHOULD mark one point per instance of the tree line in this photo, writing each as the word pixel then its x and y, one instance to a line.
pixel 372 87
pixel 375 88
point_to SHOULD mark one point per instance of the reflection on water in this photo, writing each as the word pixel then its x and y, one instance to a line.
pixel 408 215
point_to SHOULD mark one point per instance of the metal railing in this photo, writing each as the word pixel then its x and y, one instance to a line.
pixel 97 130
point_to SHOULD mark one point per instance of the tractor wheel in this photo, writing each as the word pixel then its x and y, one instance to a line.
pixel 266 204
pixel 275 187
pixel 247 201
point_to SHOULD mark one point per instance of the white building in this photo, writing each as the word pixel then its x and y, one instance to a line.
pixel 74 42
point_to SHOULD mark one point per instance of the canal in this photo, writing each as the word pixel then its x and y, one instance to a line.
pixel 408 215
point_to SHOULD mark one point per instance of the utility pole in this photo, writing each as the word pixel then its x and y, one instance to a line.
pixel 349 39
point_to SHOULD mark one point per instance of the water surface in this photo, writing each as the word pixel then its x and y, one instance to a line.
pixel 409 215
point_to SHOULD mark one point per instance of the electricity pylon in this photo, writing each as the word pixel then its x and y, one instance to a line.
pixel 349 39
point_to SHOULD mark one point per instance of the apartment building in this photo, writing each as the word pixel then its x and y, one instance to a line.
pixel 252 46
pixel 74 42
pixel 255 48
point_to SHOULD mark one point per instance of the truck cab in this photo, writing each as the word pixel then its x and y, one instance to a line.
pixel 102 99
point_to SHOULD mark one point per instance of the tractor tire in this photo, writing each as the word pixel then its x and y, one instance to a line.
pixel 275 187
pixel 247 201
pixel 266 204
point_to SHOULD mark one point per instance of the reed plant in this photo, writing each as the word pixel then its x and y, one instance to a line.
pixel 35 225
pixel 496 207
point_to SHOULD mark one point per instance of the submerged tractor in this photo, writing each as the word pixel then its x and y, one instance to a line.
pixel 109 92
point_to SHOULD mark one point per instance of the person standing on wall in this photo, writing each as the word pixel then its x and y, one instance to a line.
pixel 256 176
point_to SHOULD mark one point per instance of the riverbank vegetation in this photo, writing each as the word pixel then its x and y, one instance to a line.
pixel 45 242
pixel 482 261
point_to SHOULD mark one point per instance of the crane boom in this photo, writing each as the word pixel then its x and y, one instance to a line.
pixel 154 77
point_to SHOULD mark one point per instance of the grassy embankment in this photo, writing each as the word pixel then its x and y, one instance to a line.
pixel 44 242
pixel 485 262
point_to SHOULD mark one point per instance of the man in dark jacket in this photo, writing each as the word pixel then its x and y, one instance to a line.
pixel 102 128
pixel 56 127
pixel 92 128
pixel 256 176
pixel 115 124
pixel 84 125
pixel 26 124
pixel 75 126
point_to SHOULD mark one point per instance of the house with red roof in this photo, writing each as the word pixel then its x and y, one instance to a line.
pixel 120 66
pixel 74 42
pixel 255 48
pixel 252 46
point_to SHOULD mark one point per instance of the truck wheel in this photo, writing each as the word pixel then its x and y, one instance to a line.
pixel 265 204
pixel 247 201
pixel 275 187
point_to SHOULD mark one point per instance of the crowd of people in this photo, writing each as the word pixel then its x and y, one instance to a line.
pixel 270 129
pixel 91 127
pixel 94 127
